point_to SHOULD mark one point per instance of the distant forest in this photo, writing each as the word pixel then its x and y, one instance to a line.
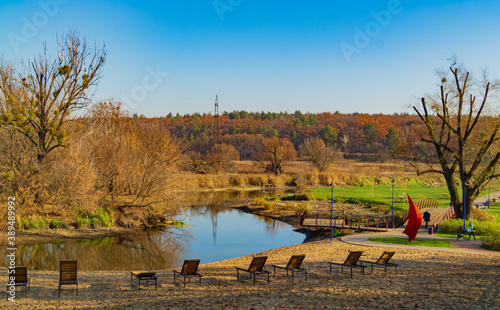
pixel 376 137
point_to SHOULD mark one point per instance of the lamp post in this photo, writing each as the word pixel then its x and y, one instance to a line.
pixel 489 187
pixel 331 215
pixel 393 182
pixel 465 202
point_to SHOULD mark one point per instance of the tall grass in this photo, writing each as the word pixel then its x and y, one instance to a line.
pixel 219 181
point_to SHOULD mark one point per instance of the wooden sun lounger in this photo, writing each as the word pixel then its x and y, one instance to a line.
pixel 350 262
pixel 383 261
pixel 256 268
pixel 68 274
pixel 293 266
pixel 21 278
pixel 189 270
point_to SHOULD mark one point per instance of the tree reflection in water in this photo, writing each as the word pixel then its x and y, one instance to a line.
pixel 162 249
pixel 155 250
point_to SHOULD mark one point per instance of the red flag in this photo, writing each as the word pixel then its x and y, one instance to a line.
pixel 414 221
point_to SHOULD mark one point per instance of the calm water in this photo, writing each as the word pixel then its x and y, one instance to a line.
pixel 215 233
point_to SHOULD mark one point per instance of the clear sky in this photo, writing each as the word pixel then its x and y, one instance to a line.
pixel 313 56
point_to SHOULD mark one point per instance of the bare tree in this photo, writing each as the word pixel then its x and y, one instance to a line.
pixel 277 151
pixel 321 156
pixel 345 139
pixel 464 136
pixel 39 100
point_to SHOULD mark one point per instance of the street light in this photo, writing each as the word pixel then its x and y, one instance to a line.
pixel 393 182
pixel 331 215
pixel 489 187
pixel 465 202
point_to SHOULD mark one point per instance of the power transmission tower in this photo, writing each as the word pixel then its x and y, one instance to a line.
pixel 216 116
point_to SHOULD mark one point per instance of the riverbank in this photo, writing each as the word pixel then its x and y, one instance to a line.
pixel 425 279
pixel 62 234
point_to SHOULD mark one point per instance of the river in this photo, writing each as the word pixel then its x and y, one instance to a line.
pixel 214 232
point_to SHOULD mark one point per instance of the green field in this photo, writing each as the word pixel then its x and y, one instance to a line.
pixel 495 209
pixel 416 242
pixel 383 195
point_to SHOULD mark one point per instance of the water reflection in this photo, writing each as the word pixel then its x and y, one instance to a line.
pixel 216 232
pixel 144 251
pixel 204 198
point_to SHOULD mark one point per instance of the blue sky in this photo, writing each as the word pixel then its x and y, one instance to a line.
pixel 312 56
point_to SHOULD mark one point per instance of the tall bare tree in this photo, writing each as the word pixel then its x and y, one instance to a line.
pixel 39 99
pixel 318 153
pixel 464 133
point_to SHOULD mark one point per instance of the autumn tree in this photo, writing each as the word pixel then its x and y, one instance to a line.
pixel 318 153
pixel 40 99
pixel 329 136
pixel 276 152
pixel 393 141
pixel 463 132
pixel 131 157
pixel 370 135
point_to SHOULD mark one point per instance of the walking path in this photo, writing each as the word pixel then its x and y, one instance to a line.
pixel 459 246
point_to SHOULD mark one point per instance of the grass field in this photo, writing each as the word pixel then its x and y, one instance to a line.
pixel 383 195
pixel 417 242
pixel 495 209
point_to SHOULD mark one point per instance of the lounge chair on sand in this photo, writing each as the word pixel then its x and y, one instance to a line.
pixel 21 278
pixel 189 270
pixel 350 262
pixel 68 274
pixel 293 266
pixel 383 261
pixel 256 268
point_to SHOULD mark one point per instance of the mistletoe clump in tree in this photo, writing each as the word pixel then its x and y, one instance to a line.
pixel 39 100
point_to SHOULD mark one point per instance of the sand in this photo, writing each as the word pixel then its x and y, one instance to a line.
pixel 426 280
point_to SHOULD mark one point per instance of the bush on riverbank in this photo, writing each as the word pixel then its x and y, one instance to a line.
pixel 101 217
pixel 39 222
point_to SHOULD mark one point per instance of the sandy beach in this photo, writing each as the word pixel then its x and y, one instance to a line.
pixel 426 280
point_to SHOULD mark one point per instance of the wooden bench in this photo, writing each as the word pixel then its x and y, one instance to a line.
pixel 427 203
pixel 142 276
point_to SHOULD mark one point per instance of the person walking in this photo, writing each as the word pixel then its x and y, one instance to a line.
pixel 472 231
pixel 427 218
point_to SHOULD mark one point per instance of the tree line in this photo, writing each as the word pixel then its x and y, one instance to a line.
pixel 61 148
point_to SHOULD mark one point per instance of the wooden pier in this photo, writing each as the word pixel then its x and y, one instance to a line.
pixel 346 223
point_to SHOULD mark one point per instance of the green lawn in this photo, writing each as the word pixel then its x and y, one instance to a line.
pixel 416 242
pixel 495 209
pixel 383 195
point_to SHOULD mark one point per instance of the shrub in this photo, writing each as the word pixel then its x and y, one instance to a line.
pixel 491 242
pixel 288 205
pixel 33 222
pixel 102 217
pixel 338 232
pixel 380 208
pixel 57 224
pixel 259 201
pixel 450 226
pixel 177 223
pixel 269 205
pixel 482 215
pixel 485 228
pixel 301 206
pixel 299 197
